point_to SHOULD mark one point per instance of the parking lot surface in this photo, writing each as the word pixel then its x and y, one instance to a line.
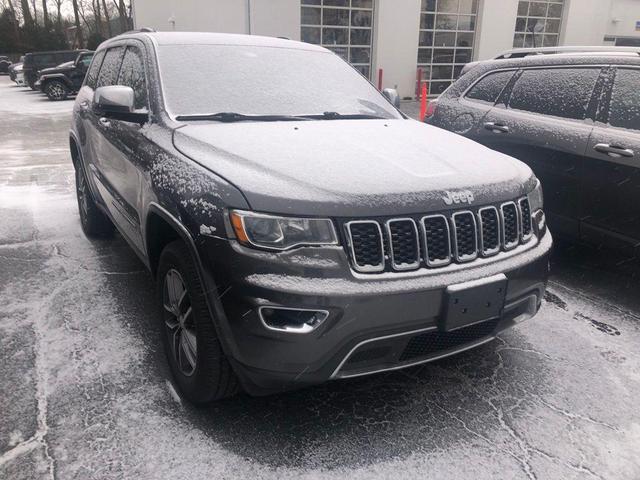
pixel 85 393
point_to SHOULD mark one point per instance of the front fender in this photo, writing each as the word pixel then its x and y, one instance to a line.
pixel 55 76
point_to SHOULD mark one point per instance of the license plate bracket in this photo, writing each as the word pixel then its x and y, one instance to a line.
pixel 473 302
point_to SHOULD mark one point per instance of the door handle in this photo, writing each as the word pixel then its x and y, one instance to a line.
pixel 496 127
pixel 104 122
pixel 613 150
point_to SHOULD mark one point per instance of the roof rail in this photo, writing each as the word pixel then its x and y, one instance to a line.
pixel 524 52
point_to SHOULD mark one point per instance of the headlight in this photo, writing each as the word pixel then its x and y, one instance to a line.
pixel 535 198
pixel 281 233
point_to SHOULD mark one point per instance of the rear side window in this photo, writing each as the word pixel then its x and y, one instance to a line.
pixel 132 75
pixel 624 109
pixel 110 67
pixel 44 59
pixel 560 92
pixel 92 74
pixel 490 86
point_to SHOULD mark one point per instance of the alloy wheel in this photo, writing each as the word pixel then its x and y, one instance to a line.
pixel 179 322
pixel 81 192
pixel 56 91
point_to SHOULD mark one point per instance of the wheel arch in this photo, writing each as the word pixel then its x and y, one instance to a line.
pixel 159 221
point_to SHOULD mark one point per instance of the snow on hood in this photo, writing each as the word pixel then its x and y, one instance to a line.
pixel 351 167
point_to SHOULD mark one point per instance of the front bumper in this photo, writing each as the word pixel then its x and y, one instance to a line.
pixel 373 318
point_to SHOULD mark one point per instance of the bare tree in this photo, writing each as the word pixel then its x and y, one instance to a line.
pixel 76 15
pixel 106 17
pixel 26 13
pixel 59 13
pixel 45 15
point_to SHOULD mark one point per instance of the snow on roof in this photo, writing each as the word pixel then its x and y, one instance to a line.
pixel 204 38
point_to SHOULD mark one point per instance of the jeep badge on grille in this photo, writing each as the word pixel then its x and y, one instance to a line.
pixel 461 196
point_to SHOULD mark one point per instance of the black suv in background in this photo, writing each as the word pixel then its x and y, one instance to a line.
pixel 304 231
pixel 5 63
pixel 66 79
pixel 34 62
pixel 574 118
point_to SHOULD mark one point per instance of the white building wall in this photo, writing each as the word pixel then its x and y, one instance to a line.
pixel 623 17
pixel 395 44
pixel 496 25
pixel 226 16
pixel 584 22
pixel 275 18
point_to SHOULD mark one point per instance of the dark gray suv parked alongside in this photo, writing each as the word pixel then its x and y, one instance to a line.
pixel 574 118
pixel 298 226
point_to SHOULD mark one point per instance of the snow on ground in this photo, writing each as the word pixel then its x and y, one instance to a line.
pixel 85 393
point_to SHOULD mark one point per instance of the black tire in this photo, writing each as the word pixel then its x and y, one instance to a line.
pixel 95 224
pixel 56 90
pixel 203 374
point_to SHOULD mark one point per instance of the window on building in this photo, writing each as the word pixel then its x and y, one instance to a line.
pixel 560 92
pixel 538 23
pixel 624 110
pixel 445 45
pixel 488 88
pixel 343 26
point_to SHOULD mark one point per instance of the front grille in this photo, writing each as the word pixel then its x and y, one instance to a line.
pixel 365 238
pixel 525 216
pixel 437 240
pixel 489 231
pixel 510 230
pixel 404 248
pixel 431 241
pixel 428 343
pixel 465 235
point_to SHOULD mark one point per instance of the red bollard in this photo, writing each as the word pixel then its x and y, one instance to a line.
pixel 423 101
pixel 380 79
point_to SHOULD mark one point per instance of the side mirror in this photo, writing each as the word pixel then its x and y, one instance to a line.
pixel 117 102
pixel 392 95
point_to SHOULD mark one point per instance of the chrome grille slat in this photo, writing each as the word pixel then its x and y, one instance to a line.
pixel 401 244
pixel 465 236
pixel 525 218
pixel 437 240
pixel 367 247
pixel 510 225
pixel 489 222
pixel 404 243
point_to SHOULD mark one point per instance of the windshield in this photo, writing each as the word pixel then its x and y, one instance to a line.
pixel 250 80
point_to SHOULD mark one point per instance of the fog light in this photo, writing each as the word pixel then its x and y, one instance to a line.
pixel 292 320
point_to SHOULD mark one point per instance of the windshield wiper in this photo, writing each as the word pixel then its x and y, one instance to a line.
pixel 342 116
pixel 239 117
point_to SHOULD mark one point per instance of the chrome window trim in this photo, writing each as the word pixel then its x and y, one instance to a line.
pixel 495 250
pixel 291 330
pixel 514 244
pixel 525 238
pixel 458 257
pixel 406 266
pixel 365 268
pixel 436 263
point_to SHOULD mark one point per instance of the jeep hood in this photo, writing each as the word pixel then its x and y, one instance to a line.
pixel 351 167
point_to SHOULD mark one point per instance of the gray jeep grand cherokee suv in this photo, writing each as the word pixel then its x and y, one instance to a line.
pixel 298 226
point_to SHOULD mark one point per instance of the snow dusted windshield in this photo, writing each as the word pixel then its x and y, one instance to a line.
pixel 252 80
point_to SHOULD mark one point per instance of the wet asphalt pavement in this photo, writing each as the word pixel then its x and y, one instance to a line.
pixel 85 393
